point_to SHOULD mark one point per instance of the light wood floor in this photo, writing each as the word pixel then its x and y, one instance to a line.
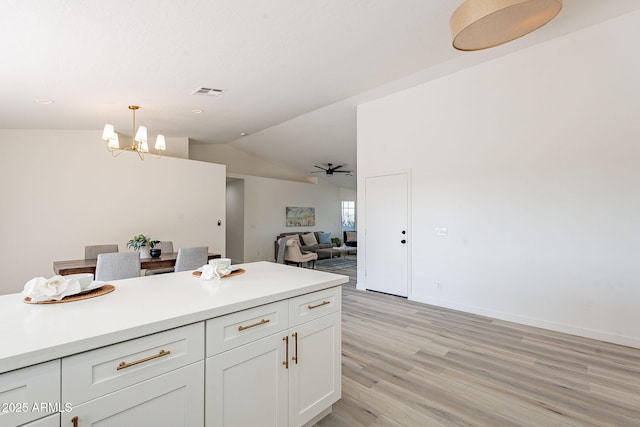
pixel 411 364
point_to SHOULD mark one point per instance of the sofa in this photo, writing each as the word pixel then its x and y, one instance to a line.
pixel 303 245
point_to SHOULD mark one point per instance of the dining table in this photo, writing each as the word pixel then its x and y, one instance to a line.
pixel 89 265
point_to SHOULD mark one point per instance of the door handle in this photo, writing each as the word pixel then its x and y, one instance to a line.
pixel 403 241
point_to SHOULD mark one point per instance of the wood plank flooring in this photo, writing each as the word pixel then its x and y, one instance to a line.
pixel 411 364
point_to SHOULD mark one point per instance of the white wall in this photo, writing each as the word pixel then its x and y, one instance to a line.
pixel 265 203
pixel 240 162
pixel 532 161
pixel 61 190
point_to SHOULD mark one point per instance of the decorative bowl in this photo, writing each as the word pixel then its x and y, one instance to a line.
pixel 155 253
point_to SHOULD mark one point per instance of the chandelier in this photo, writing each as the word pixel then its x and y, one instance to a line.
pixel 138 142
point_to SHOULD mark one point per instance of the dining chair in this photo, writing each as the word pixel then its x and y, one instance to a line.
pixel 191 258
pixel 166 247
pixel 92 252
pixel 121 265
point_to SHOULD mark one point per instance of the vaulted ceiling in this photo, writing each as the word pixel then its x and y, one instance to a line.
pixel 291 71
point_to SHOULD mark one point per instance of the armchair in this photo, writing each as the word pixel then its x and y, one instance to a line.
pixel 293 254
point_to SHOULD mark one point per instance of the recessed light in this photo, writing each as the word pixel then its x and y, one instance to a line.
pixel 197 111
pixel 43 101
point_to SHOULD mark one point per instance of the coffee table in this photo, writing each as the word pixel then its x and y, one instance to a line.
pixel 342 250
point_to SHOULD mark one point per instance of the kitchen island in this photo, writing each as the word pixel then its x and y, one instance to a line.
pixel 149 352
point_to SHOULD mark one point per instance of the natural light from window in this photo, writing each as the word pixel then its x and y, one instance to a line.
pixel 348 215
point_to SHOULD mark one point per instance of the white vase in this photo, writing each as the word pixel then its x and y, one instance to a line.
pixel 144 252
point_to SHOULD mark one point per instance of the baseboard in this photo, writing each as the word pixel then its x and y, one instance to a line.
pixel 538 323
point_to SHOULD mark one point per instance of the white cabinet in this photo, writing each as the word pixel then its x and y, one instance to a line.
pixel 153 380
pixel 247 386
pixel 50 421
pixel 284 379
pixel 29 393
pixel 315 368
pixel 173 399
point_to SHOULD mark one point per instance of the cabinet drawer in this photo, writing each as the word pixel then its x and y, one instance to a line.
pixel 175 399
pixel 50 421
pixel 95 373
pixel 242 327
pixel 29 393
pixel 314 305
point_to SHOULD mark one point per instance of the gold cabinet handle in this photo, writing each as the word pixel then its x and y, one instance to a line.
pixel 295 358
pixel 311 307
pixel 253 325
pixel 286 356
pixel 124 365
pixel 74 421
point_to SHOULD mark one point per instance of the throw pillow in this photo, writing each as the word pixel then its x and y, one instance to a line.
pixel 309 239
pixel 351 236
pixel 325 238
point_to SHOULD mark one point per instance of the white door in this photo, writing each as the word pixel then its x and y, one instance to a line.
pixel 387 234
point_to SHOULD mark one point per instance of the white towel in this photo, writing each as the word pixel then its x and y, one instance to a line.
pixel 55 288
pixel 214 271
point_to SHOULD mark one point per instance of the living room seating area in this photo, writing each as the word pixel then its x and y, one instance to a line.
pixel 310 241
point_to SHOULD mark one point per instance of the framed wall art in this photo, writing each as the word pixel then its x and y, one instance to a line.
pixel 300 217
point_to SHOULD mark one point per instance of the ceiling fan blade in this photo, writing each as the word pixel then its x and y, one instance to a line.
pixel 319 167
pixel 337 167
pixel 341 171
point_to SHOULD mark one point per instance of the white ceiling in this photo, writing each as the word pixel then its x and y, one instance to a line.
pixel 292 71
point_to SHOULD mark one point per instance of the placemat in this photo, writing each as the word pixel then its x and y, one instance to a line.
pixel 102 290
pixel 233 273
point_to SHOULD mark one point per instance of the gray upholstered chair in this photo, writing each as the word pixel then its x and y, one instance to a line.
pixel 191 258
pixel 293 254
pixel 121 265
pixel 92 252
pixel 166 247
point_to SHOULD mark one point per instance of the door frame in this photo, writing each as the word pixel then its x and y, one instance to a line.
pixel 362 231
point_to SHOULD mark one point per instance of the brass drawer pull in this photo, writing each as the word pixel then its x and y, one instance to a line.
pixel 286 354
pixel 311 307
pixel 262 322
pixel 295 358
pixel 123 365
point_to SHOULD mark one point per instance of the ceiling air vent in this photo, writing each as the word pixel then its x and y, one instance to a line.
pixel 207 91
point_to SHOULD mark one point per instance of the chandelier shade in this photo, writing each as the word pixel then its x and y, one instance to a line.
pixel 481 24
pixel 138 143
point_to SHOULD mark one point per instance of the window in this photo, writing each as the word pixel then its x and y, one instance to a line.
pixel 348 215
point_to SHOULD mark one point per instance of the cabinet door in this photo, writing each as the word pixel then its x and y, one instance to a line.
pixel 247 386
pixel 315 368
pixel 173 399
pixel 50 421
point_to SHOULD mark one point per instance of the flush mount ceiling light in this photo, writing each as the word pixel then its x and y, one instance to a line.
pixel 480 24
pixel 138 142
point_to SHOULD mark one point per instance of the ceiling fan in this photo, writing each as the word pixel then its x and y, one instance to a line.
pixel 330 169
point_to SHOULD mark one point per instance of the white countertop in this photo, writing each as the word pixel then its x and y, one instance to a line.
pixel 34 333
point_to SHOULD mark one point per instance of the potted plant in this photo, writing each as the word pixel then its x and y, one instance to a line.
pixel 142 243
pixel 336 242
